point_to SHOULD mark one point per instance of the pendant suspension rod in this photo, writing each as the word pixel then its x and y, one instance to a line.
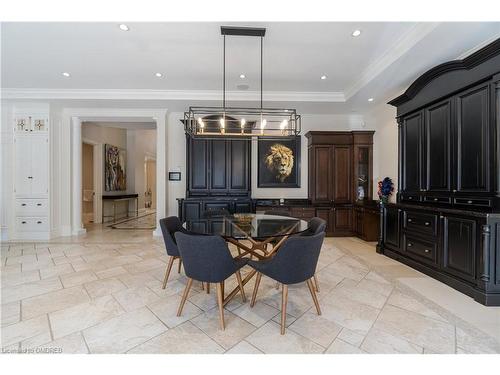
pixel 224 75
pixel 261 64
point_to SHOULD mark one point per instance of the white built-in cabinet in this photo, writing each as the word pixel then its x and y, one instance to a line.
pixel 31 177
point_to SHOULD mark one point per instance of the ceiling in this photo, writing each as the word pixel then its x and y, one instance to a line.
pixel 108 63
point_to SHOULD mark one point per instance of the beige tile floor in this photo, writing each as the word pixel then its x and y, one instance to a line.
pixel 101 293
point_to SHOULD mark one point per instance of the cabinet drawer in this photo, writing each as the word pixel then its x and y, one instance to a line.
pixel 472 202
pixel 31 207
pixel 437 199
pixel 423 223
pixel 409 198
pixel 420 249
pixel 303 212
pixel 32 224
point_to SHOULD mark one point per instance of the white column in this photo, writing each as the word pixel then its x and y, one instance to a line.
pixel 161 170
pixel 76 170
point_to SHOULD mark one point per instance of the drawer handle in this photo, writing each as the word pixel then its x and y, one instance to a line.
pixel 38 204
pixel 435 199
pixel 410 244
pixel 410 197
pixel 469 202
pixel 23 222
pixel 39 222
pixel 454 191
pixel 409 220
pixel 23 204
pixel 427 223
pixel 427 251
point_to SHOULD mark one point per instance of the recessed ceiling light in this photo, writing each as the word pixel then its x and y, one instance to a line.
pixel 356 33
pixel 242 76
pixel 66 74
pixel 124 27
pixel 370 99
pixel 323 77
pixel 159 75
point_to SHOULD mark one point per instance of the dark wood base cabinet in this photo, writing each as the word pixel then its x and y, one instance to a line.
pixel 459 248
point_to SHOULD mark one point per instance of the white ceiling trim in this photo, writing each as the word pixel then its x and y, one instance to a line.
pixel 478 47
pixel 393 53
pixel 146 94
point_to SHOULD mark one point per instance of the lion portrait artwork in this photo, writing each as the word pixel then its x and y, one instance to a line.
pixel 278 162
pixel 114 172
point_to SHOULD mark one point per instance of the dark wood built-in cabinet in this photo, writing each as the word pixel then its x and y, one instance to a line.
pixel 340 183
pixel 218 167
pixel 446 222
pixel 340 168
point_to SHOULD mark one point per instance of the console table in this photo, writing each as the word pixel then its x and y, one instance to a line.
pixel 120 198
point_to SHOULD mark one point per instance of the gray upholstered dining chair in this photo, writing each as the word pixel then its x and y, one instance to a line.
pixel 316 225
pixel 169 226
pixel 294 263
pixel 208 259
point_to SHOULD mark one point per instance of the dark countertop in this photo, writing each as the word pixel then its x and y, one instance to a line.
pixel 120 196
pixel 448 210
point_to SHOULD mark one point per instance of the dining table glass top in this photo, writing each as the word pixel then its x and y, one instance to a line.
pixel 249 225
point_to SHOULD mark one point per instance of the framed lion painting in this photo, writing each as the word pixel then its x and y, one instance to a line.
pixel 279 162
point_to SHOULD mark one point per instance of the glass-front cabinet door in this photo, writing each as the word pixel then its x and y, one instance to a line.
pixel 363 173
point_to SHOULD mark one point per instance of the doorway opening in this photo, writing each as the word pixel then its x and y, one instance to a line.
pixel 88 191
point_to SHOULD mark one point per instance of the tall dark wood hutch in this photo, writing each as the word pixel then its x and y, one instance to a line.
pixel 446 222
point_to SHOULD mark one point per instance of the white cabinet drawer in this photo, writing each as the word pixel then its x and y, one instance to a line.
pixel 32 207
pixel 32 224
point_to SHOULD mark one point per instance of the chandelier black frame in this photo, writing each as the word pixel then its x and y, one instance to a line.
pixel 241 122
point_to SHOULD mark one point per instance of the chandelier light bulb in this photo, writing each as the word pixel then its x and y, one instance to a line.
pixel 263 124
pixel 283 124
pixel 243 122
pixel 222 123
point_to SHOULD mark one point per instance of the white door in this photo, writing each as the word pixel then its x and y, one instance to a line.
pixel 39 163
pixel 23 166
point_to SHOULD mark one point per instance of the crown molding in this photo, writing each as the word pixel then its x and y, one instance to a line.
pixel 146 94
pixel 407 41
pixel 471 61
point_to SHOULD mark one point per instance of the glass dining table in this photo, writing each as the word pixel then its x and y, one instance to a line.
pixel 257 235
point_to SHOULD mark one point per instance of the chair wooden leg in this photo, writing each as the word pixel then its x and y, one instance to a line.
pixel 223 283
pixel 167 272
pixel 312 289
pixel 208 288
pixel 284 300
pixel 220 302
pixel 184 296
pixel 240 284
pixel 316 283
pixel 179 266
pixel 255 288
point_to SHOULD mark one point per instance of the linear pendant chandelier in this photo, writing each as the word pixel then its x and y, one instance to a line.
pixel 236 122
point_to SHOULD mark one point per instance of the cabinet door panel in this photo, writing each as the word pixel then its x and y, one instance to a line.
pixel 238 165
pixel 342 220
pixel 192 210
pixel 39 166
pixel 218 155
pixel 472 156
pixel 342 156
pixel 198 165
pixel 23 166
pixel 325 214
pixel 392 228
pixel 412 152
pixel 322 172
pixel 459 247
pixel 437 153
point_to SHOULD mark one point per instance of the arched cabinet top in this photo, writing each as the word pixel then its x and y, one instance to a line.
pixel 450 77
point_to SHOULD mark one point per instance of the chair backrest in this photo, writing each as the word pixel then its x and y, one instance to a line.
pixel 205 258
pixel 169 226
pixel 317 225
pixel 277 213
pixel 296 260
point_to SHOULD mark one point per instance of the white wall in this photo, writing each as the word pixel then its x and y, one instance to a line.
pixel 140 144
pixel 385 146
pixel 6 150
